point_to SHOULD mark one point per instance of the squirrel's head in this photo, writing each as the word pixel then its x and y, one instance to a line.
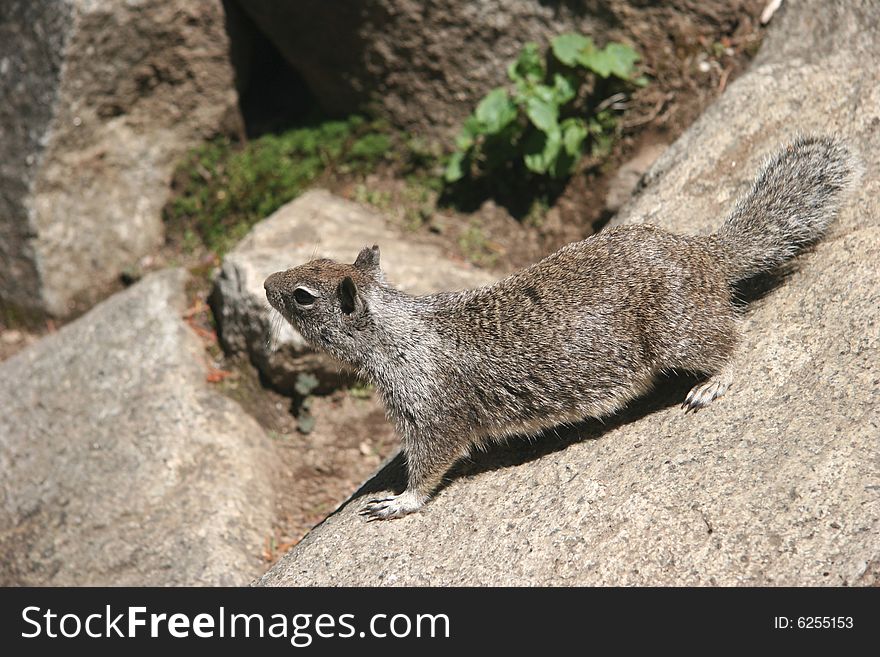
pixel 326 301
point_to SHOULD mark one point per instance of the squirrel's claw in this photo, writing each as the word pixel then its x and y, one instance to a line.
pixel 703 394
pixel 391 507
pixel 380 500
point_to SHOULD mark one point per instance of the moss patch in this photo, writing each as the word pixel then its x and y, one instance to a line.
pixel 222 188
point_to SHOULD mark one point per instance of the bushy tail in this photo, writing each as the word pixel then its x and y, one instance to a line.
pixel 794 198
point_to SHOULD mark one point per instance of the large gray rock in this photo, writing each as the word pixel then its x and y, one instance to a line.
pixel 99 98
pixel 821 78
pixel 316 225
pixel 426 63
pixel 118 465
pixel 776 483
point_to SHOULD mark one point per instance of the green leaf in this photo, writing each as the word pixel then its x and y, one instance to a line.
pixel 455 169
pixel 596 61
pixel 544 93
pixel 472 126
pixel 574 131
pixel 470 129
pixel 563 165
pixel 542 114
pixel 615 59
pixel 464 141
pixel 541 150
pixel 568 48
pixel 495 111
pixel 529 66
pixel 513 73
pixel 622 60
pixel 564 88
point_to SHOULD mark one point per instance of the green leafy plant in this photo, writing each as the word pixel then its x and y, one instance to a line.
pixel 542 119
pixel 221 188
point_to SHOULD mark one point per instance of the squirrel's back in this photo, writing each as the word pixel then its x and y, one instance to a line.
pixel 588 327
pixel 582 331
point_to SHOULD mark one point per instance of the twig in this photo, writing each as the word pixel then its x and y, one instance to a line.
pixel 722 83
pixel 651 115
pixel 769 10
pixel 195 309
pixel 612 101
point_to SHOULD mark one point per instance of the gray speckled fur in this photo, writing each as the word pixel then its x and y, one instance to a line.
pixel 578 334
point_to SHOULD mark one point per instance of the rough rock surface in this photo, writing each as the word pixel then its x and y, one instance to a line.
pixel 118 466
pixel 317 224
pixel 425 63
pixel 99 99
pixel 628 176
pixel 776 483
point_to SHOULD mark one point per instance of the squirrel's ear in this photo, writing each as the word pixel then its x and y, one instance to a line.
pixel 349 298
pixel 368 258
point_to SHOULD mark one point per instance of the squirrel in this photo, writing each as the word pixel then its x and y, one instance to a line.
pixel 577 335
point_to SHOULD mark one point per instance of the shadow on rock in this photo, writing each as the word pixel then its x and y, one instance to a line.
pixel 670 390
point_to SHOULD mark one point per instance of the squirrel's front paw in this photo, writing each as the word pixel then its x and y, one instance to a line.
pixel 392 507
pixel 703 394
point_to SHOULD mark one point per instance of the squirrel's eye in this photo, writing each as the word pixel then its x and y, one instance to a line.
pixel 303 297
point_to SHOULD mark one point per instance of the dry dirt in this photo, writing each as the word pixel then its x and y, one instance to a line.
pixel 318 470
pixel 315 471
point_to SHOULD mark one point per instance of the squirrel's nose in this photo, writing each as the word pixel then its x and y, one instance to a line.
pixel 272 282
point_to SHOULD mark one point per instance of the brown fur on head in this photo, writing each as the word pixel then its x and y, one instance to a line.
pixel 324 300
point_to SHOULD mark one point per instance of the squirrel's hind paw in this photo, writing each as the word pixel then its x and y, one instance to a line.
pixel 392 507
pixel 705 393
